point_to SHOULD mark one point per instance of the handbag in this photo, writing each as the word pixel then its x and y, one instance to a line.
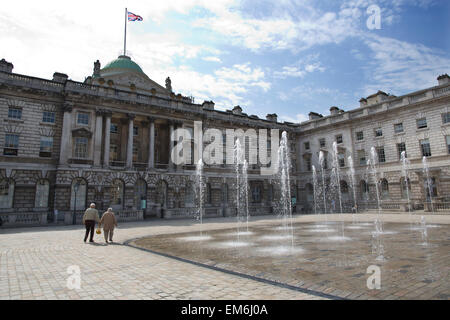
pixel 98 231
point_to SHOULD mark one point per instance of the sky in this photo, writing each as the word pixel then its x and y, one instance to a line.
pixel 286 57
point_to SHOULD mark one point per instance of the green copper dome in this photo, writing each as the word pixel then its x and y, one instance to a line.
pixel 122 62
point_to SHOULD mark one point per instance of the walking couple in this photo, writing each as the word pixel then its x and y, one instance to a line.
pixel 108 221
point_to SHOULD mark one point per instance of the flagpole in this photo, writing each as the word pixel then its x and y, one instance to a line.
pixel 125 38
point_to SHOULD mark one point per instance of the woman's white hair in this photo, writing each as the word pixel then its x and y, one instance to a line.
pixel 92 205
pixel 109 209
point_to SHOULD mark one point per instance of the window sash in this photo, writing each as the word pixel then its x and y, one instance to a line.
pixel 83 118
pixel 46 144
pixel 398 127
pixel 12 141
pixel 81 146
pixel 48 117
pixel 360 136
pixel 15 113
pixel 381 155
pixel 422 123
pixel 446 118
pixel 378 132
pixel 426 148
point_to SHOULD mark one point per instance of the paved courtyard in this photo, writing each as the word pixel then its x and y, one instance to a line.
pixel 34 263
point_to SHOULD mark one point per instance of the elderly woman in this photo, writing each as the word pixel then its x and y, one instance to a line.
pixel 108 221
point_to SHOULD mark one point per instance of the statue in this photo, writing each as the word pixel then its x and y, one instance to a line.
pixel 97 68
pixel 169 84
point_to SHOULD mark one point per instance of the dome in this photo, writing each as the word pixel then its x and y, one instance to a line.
pixel 119 65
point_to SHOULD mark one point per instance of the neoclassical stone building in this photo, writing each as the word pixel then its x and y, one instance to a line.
pixel 106 140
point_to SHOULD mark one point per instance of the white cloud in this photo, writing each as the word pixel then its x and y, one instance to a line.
pixel 212 59
pixel 300 117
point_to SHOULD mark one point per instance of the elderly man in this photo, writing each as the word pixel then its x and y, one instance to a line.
pixel 89 218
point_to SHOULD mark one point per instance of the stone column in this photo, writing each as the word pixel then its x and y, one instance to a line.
pixel 98 137
pixel 130 140
pixel 66 138
pixel 171 144
pixel 108 115
pixel 151 143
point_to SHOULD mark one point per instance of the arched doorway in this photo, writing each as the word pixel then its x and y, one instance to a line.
pixel 140 194
pixel 42 193
pixel 117 193
pixel 78 194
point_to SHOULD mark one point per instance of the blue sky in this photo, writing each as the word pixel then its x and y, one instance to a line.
pixel 288 57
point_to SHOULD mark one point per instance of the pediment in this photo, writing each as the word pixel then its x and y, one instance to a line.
pixel 140 81
pixel 81 132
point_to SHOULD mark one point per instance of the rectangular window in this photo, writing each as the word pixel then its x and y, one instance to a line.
pixel 425 146
pixel 381 155
pixel 446 118
pixel 400 148
pixel 46 147
pixel 135 131
pixel 83 118
pixel 421 123
pixel 113 152
pixel 11 145
pixel 378 132
pixel 322 142
pixel 81 147
pixel 362 157
pixel 15 113
pixel 306 145
pixel 341 159
pixel 398 127
pixel 308 164
pixel 48 117
pixel 360 135
pixel 447 139
pixel 114 128
pixel 135 153
pixel 339 138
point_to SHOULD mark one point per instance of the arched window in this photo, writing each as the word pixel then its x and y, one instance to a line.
pixel 406 187
pixel 189 196
pixel 140 194
pixel 78 194
pixel 42 193
pixel 6 193
pixel 309 192
pixel 430 187
pixel 384 184
pixel 364 188
pixel 118 188
pixel 344 186
pixel 162 191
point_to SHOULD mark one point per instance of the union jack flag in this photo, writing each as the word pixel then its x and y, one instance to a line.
pixel 134 17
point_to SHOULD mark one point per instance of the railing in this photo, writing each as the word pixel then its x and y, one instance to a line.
pixel 23 219
pixel 115 163
pixel 129 215
pixel 437 206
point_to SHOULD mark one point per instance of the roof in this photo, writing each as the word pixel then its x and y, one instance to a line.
pixel 123 63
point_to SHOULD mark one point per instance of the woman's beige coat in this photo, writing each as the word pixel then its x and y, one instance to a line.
pixel 108 221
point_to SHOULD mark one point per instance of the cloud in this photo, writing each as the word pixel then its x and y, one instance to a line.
pixel 300 117
pixel 212 59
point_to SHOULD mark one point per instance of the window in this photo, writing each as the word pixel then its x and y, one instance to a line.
pixel 114 128
pixel 400 148
pixel 308 163
pixel 256 193
pixel 11 145
pixel 339 138
pixel 378 132
pixel 406 187
pixel 46 147
pixel 322 142
pixel 398 127
pixel 446 118
pixel 15 113
pixel 425 146
pixel 135 131
pixel 430 187
pixel 81 147
pixel 447 139
pixel 113 152
pixel 48 117
pixel 306 145
pixel 381 155
pixel 6 193
pixel 135 153
pixel 140 194
pixel 83 118
pixel 360 135
pixel 117 193
pixel 421 123
pixel 189 195
pixel 362 157
pixel 364 188
pixel 309 192
pixel 224 193
pixel 341 159
pixel 208 193
pixel 42 193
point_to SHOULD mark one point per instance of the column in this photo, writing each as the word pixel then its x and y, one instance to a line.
pixel 151 143
pixel 98 137
pixel 130 140
pixel 108 115
pixel 172 144
pixel 66 139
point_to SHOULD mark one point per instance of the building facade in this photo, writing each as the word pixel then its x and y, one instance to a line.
pixel 65 144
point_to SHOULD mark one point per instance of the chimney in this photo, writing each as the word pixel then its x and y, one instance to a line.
pixel 334 110
pixel 443 79
pixel 6 66
pixel 237 110
pixel 362 102
pixel 272 117
pixel 314 115
pixel 208 105
pixel 60 77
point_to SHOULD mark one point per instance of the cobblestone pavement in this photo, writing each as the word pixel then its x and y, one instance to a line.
pixel 34 262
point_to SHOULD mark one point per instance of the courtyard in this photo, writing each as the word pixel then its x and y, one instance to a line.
pixel 145 263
